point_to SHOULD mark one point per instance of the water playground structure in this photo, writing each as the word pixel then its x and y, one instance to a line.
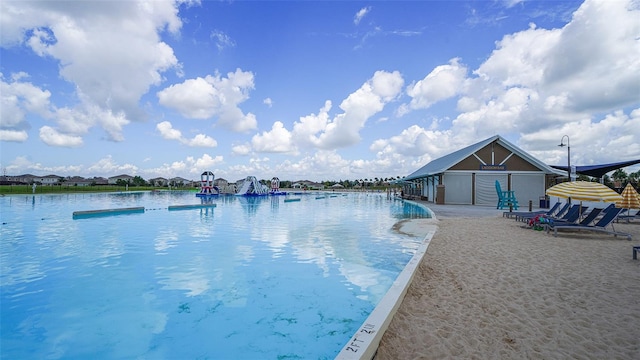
pixel 207 188
pixel 275 187
pixel 250 186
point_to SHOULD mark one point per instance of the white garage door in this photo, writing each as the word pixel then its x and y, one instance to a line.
pixel 486 193
pixel 528 187
pixel 457 189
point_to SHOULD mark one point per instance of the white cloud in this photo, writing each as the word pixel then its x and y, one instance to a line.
pixel 268 102
pixel 110 50
pixel 413 141
pixel 443 82
pixel 204 98
pixel 305 129
pixel 319 131
pixel 22 165
pixel 343 130
pixel 586 66
pixel 222 40
pixel 276 140
pixel 52 137
pixel 358 107
pixel 18 99
pixel 108 167
pixel 241 149
pixel 590 139
pixel 596 63
pixel 202 140
pixel 167 131
pixel 13 135
pixel 361 14
pixel 512 3
pixel 205 162
pixel 540 81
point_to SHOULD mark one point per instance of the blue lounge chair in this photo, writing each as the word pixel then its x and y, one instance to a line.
pixel 600 226
pixel 628 217
pixel 593 214
pixel 572 215
pixel 506 199
pixel 518 214
pixel 563 210
pixel 574 212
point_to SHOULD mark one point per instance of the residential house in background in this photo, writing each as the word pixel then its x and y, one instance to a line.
pixel 19 179
pixel 159 181
pixel 178 181
pixel 306 184
pixel 77 181
pixel 126 178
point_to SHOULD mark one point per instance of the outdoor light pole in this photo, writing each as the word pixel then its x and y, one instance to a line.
pixel 568 155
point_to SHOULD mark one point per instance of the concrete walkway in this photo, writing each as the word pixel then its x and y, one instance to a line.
pixel 454 211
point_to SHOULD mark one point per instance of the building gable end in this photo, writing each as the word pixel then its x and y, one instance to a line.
pixel 494 156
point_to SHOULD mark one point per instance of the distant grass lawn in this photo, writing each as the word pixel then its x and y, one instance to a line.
pixel 53 189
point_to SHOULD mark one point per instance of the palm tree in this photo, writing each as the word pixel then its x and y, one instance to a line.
pixel 634 177
pixel 619 177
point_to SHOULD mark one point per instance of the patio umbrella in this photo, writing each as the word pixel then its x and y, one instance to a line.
pixel 630 198
pixel 584 191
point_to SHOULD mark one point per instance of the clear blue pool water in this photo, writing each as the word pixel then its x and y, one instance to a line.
pixel 252 278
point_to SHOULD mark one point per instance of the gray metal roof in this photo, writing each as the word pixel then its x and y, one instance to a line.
pixel 446 162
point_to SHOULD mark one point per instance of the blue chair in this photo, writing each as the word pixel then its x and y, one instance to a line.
pixel 506 199
pixel 600 226
pixel 563 210
pixel 520 214
pixel 591 217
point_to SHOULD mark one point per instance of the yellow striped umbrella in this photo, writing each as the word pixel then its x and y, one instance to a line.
pixel 630 198
pixel 584 191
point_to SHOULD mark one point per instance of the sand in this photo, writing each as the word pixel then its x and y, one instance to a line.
pixel 488 288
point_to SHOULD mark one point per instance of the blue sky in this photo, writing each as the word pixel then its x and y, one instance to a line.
pixel 311 89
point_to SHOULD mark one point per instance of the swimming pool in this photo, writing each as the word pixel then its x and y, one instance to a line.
pixel 252 277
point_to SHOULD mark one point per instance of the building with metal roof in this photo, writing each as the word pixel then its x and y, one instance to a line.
pixel 468 176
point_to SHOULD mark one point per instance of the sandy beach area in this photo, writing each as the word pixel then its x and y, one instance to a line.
pixel 490 288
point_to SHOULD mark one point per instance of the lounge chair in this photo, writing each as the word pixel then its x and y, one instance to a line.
pixel 506 199
pixel 609 207
pixel 593 214
pixel 563 210
pixel 539 222
pixel 518 214
pixel 571 212
pixel 571 217
pixel 628 217
pixel 599 226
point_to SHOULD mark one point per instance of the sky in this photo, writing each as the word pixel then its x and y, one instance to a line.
pixel 313 90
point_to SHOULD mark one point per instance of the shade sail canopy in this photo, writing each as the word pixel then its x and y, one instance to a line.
pixel 584 191
pixel 630 198
pixel 599 170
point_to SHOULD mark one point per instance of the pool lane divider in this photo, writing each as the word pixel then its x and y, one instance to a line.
pixel 107 212
pixel 133 210
pixel 291 200
pixel 192 206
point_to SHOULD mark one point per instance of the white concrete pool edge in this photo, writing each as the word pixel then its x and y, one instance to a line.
pixel 363 345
